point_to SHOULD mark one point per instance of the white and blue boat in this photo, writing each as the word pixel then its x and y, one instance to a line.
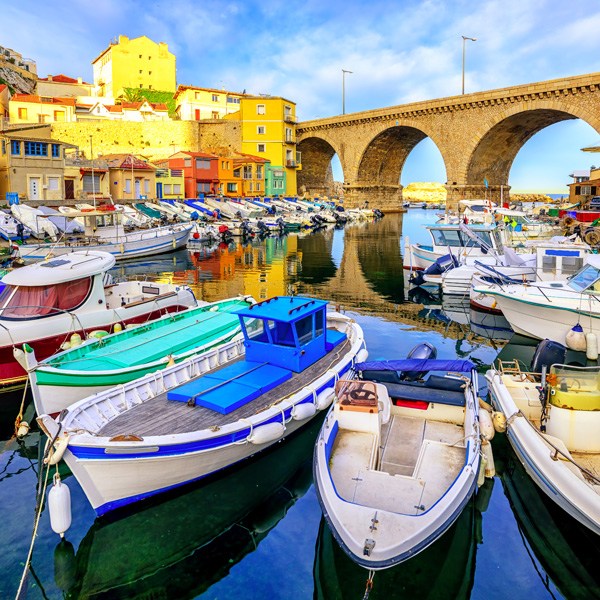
pixel 212 410
pixel 398 457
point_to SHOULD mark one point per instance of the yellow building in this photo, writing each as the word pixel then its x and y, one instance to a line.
pixel 170 183
pixel 250 171
pixel 196 103
pixel 269 131
pixel 25 108
pixel 136 63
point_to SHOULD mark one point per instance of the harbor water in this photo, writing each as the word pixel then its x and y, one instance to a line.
pixel 256 530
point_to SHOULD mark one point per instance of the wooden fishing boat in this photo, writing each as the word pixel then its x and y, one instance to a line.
pixel 63 379
pixel 397 459
pixel 552 425
pixel 50 303
pixel 212 410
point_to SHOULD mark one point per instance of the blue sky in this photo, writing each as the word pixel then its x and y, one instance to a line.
pixel 399 52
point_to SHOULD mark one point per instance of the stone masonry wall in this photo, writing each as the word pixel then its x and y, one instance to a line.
pixel 153 139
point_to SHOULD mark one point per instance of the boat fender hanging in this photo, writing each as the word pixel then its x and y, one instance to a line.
pixel 362 355
pixel 266 433
pixel 59 505
pixel 174 244
pixel 486 426
pixel 23 429
pixel 65 346
pixel 490 467
pixel 117 327
pixel 122 248
pixel 59 450
pixel 75 340
pixel 499 421
pixel 575 339
pixel 97 333
pixel 483 404
pixel 303 411
pixel 591 351
pixel 324 398
pixel 481 473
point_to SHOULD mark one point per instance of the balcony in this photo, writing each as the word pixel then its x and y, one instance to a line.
pixel 291 141
pixel 292 164
pixel 290 119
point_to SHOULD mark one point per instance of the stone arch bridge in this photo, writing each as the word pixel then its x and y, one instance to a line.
pixel 478 136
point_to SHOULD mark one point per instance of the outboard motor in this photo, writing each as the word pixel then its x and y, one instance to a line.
pixel 441 265
pixel 378 213
pixel 422 351
pixel 225 235
pixel 246 229
pixel 238 214
pixel 280 223
pixel 546 354
pixel 262 228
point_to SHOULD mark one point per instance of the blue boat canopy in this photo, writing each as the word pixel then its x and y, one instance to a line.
pixel 415 364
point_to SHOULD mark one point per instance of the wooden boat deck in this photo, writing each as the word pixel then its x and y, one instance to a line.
pixel 160 416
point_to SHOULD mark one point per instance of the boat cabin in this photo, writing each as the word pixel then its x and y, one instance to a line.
pixel 588 278
pixel 453 236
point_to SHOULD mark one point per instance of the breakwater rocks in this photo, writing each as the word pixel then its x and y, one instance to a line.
pixel 424 192
pixel 536 198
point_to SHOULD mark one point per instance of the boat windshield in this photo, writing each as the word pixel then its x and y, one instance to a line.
pixel 586 279
pixel 31 302
pixel 455 238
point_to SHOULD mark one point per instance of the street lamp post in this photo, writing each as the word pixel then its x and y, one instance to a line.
pixel 92 161
pixel 463 77
pixel 344 90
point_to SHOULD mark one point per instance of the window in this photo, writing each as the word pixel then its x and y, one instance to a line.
pixel 25 302
pixel 128 186
pixel 59 115
pixel 586 190
pixel 187 162
pixel 146 186
pixel 177 188
pixel 247 171
pixel 149 72
pixel 15 147
pixel 149 58
pixel 167 189
pixel 89 184
pixel 319 328
pixel 215 114
pixel 56 150
pixel 237 172
pixel 223 164
pixel 36 149
pixel 203 187
pixel 140 56
pixel 46 99
pixel 233 100
pixel 261 147
pixel 3 146
pixel 22 113
pixel 258 186
pixel 197 95
pixel 288 135
pixel 215 98
pixel 304 329
pixel 260 109
pixel 250 186
pixel 261 130
pixel 140 71
pixel 259 171
pixel 232 187
pixel 202 163
pixel 53 183
pixel 42 118
pixel 149 87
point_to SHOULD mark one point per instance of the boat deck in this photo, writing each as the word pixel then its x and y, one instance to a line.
pixel 420 459
pixel 160 416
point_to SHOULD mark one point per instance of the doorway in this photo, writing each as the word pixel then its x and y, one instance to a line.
pixel 69 189
pixel 34 188
pixel 138 189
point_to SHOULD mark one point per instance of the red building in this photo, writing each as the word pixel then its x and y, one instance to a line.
pixel 200 171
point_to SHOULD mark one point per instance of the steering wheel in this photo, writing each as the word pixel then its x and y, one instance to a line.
pixel 362 395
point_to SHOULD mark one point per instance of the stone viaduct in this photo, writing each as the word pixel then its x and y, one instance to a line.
pixel 478 136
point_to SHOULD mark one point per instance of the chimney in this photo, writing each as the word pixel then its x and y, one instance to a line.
pixel 79 80
pixel 49 77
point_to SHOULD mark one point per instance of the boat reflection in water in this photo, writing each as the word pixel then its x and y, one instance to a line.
pixel 490 325
pixel 568 552
pixel 446 569
pixel 180 544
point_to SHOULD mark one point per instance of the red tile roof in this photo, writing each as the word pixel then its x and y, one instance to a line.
pixel 249 158
pixel 38 100
pixel 183 88
pixel 199 154
pixel 2 88
pixel 123 161
pixel 138 105
pixel 62 79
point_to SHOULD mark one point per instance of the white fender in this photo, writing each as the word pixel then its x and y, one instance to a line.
pixel 303 411
pixel 481 473
pixel 59 505
pixel 490 468
pixel 266 433
pixel 324 398
pixel 362 355
pixel 486 426
pixel 592 346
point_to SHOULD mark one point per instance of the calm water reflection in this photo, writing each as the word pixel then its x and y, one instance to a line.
pixel 257 532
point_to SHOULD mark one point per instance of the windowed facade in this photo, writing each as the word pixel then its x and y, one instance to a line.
pixel 260 109
pixel 202 163
pixel 261 147
pixel 15 147
pixel 53 183
pixel 261 129
pixel 247 171
pixel 56 150
pixel 259 171
pixel 35 148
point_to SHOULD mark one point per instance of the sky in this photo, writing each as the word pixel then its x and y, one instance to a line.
pixel 398 51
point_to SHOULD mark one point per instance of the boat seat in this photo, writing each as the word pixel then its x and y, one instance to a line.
pixel 422 393
pixel 333 338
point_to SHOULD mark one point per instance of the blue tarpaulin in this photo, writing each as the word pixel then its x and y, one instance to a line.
pixel 415 364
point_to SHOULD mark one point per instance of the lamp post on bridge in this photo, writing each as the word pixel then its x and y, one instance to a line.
pixel 344 90
pixel 463 74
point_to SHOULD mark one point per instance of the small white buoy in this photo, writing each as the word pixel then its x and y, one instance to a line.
pixel 499 421
pixel 266 433
pixel 486 427
pixel 303 411
pixel 324 398
pixel 575 339
pixel 59 505
pixel 490 467
pixel 362 355
pixel 592 346
pixel 23 429
pixel 75 340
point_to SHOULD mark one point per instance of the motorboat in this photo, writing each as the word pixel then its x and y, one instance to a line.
pixel 63 223
pixel 211 410
pixel 9 227
pixel 134 217
pixel 65 299
pixel 552 416
pixel 32 218
pixel 98 364
pixel 398 457
pixel 549 309
pixel 111 237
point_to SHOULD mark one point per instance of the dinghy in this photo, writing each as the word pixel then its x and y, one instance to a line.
pixel 212 410
pixel 397 458
pixel 9 227
pixel 99 364
pixel 552 421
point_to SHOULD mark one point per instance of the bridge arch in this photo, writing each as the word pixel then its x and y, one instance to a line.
pixel 495 145
pixel 317 150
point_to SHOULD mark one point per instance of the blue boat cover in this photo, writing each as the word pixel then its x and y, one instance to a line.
pixel 415 364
